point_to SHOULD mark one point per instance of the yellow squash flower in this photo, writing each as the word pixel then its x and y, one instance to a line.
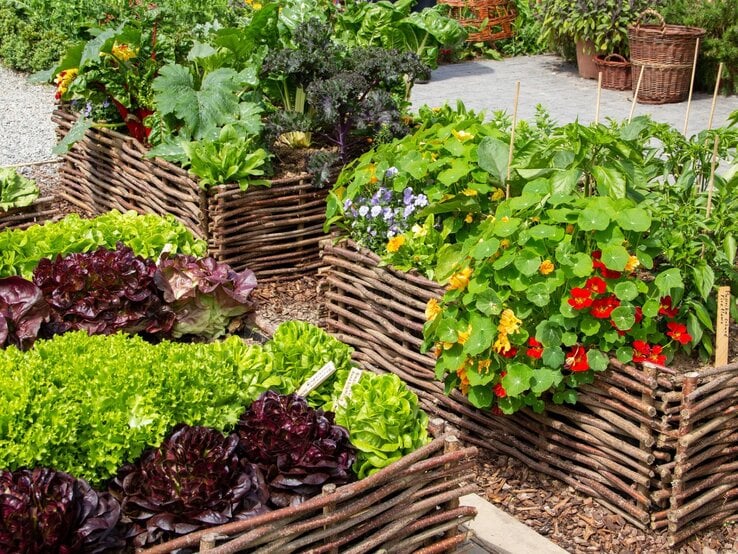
pixel 462 135
pixel 458 281
pixel 394 244
pixel 432 309
pixel 632 264
pixel 546 267
pixel 509 323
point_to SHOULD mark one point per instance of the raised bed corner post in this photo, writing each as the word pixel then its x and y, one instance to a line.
pixel 328 509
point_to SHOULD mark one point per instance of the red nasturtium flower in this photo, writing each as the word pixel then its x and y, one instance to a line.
pixel 536 349
pixel 510 353
pixel 580 298
pixel 678 332
pixel 644 352
pixel 576 359
pixel 603 307
pixel 603 269
pixel 499 390
pixel 666 309
pixel 639 314
pixel 596 285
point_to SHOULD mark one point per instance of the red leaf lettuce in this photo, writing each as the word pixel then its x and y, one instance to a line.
pixel 22 311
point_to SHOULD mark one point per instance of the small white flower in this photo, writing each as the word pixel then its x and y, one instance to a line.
pixel 363 211
pixel 376 211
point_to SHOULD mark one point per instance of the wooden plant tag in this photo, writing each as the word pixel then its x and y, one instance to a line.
pixel 354 377
pixel 317 379
pixel 722 327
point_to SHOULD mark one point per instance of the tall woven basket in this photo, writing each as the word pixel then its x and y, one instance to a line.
pixel 665 54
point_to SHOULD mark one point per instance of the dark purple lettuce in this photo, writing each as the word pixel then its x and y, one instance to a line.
pixel 22 311
pixel 205 294
pixel 195 479
pixel 44 511
pixel 103 292
pixel 298 448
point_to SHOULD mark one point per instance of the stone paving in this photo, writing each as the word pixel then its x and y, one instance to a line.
pixel 550 81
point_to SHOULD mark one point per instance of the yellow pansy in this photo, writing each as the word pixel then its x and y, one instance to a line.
pixel 462 135
pixel 509 323
pixel 458 281
pixel 546 267
pixel 632 264
pixel 432 309
pixel 394 244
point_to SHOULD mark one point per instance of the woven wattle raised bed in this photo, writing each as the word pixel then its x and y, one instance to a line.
pixel 652 445
pixel 411 505
pixel 275 231
pixel 40 211
pixel 488 20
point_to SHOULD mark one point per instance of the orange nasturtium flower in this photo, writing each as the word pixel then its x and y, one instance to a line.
pixel 432 309
pixel 546 267
pixel 458 281
pixel 632 264
pixel 393 245
pixel 123 52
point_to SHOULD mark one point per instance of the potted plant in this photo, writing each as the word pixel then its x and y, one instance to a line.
pixel 593 26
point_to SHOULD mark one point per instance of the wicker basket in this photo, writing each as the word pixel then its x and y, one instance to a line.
pixel 411 505
pixel 665 54
pixel 487 19
pixel 274 231
pixel 616 73
pixel 652 444
pixel 40 211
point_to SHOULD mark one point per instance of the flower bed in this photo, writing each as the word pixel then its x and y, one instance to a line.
pixel 274 231
pixel 647 442
pixel 40 211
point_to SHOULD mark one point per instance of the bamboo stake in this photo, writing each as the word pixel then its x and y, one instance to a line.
pixel 599 95
pixel 711 182
pixel 691 85
pixel 635 96
pixel 714 95
pixel 512 138
pixel 28 164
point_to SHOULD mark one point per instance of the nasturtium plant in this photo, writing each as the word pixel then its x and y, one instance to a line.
pixel 541 295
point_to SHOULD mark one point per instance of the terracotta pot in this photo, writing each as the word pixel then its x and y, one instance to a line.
pixel 586 59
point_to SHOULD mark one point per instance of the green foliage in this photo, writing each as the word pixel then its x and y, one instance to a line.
pixel 21 250
pixel 719 18
pixel 604 22
pixel 86 405
pixel 16 191
pixel 27 44
pixel 384 421
pixel 526 40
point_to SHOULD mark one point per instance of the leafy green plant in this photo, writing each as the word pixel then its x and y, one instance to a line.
pixel 22 312
pixel 384 420
pixel 87 404
pixel 16 191
pixel 146 235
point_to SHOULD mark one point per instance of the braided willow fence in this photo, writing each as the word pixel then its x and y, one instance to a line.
pixel 275 230
pixel 649 443
pixel 40 211
pixel 411 505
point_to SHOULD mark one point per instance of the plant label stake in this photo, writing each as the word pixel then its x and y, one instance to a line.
pixel 317 379
pixel 691 85
pixel 599 94
pixel 714 96
pixel 635 96
pixel 512 138
pixel 354 377
pixel 722 326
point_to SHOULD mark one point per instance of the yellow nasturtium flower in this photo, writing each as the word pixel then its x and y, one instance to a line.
pixel 502 344
pixel 394 244
pixel 509 323
pixel 546 267
pixel 458 281
pixel 469 218
pixel 464 335
pixel 432 309
pixel 497 195
pixel 469 192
